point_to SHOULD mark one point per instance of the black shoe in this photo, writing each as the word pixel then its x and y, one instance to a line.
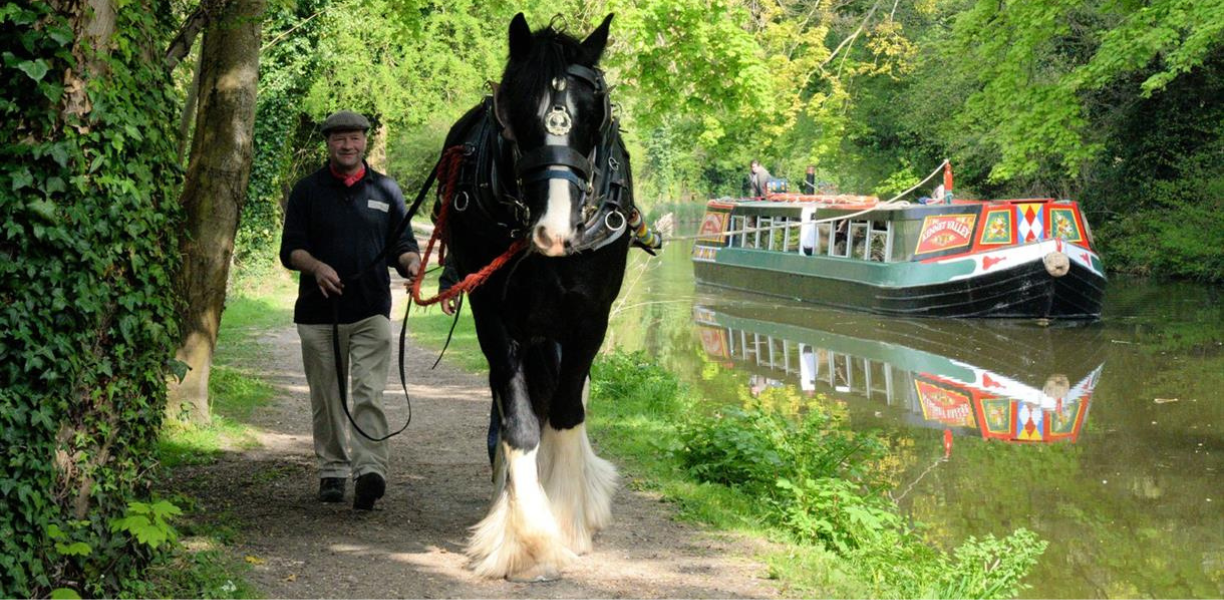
pixel 370 487
pixel 331 489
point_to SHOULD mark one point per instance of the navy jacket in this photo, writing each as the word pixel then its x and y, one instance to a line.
pixel 345 227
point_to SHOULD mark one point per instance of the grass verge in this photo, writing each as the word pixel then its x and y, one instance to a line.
pixel 429 326
pixel 198 565
pixel 790 471
pixel 799 479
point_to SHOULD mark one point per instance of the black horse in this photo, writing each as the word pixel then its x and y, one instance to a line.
pixel 542 165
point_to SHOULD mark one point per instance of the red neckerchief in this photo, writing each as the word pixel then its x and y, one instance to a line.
pixel 349 180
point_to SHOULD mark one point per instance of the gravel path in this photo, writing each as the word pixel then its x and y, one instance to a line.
pixel 439 485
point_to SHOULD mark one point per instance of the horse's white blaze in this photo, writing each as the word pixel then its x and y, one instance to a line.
pixel 554 227
pixel 579 485
pixel 519 538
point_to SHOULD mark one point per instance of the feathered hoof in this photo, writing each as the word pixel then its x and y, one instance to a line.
pixel 506 545
pixel 524 562
pixel 537 574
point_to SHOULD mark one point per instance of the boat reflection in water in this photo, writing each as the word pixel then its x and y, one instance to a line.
pixel 1016 382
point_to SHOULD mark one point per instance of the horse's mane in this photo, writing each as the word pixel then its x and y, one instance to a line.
pixel 552 51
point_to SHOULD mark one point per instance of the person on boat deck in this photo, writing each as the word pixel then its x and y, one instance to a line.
pixel 807 236
pixel 758 180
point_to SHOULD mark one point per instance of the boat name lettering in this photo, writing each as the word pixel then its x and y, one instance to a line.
pixel 943 232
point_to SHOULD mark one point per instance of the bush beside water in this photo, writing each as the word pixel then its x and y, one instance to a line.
pixel 791 468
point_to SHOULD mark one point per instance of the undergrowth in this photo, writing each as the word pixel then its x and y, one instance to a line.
pixel 803 479
pixel 197 565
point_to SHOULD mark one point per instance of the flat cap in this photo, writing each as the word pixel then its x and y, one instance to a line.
pixel 345 120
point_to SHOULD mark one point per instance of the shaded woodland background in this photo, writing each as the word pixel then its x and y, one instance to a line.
pixel 1112 103
pixel 149 146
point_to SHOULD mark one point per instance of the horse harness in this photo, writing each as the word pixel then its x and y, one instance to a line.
pixel 602 177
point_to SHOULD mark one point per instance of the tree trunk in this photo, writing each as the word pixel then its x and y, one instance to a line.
pixel 377 156
pixel 187 119
pixel 215 191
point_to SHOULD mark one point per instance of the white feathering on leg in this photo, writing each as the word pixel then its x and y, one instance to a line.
pixel 579 484
pixel 518 538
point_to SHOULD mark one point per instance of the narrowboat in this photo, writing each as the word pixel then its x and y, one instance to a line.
pixel 1020 384
pixel 1030 258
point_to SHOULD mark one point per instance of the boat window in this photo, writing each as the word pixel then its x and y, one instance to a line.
pixel 838 242
pixel 905 239
pixel 739 224
pixel 780 235
pixel 792 235
pixel 858 239
pixel 875 244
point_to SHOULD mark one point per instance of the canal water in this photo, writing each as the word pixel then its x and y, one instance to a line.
pixel 1104 438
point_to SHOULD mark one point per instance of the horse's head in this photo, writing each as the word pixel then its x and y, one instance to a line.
pixel 553 103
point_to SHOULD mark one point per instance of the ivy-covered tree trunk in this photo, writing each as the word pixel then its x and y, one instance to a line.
pixel 88 223
pixel 215 191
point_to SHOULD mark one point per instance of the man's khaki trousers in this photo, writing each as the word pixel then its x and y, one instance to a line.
pixel 366 349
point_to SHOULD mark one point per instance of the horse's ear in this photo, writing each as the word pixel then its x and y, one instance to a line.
pixel 594 45
pixel 520 38
pixel 501 117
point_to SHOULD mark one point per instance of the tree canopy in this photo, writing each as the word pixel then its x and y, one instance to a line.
pixel 1025 97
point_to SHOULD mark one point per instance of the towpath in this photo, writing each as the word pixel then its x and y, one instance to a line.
pixel 411 545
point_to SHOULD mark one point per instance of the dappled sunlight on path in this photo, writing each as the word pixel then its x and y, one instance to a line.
pixel 438 486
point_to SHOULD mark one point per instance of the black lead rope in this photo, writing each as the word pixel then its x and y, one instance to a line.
pixel 341 376
pixel 449 334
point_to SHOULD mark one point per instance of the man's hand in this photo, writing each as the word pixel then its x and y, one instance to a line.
pixel 328 280
pixel 448 306
pixel 410 262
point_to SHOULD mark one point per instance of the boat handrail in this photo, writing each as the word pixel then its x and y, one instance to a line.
pixel 894 202
pixel 880 206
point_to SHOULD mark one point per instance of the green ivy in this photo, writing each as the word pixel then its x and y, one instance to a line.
pixel 88 215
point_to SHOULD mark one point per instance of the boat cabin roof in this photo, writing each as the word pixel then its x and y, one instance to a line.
pixel 834 206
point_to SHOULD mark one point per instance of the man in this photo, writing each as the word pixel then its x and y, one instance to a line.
pixel 337 223
pixel 758 181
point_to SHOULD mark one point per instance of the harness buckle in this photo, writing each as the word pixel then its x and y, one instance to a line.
pixel 608 220
pixel 461 201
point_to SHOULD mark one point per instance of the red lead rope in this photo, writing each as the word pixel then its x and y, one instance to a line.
pixel 450 171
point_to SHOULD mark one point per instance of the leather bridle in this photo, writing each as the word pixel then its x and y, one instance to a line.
pixel 597 176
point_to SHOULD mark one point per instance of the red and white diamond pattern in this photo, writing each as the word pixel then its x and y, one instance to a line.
pixel 1030 218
